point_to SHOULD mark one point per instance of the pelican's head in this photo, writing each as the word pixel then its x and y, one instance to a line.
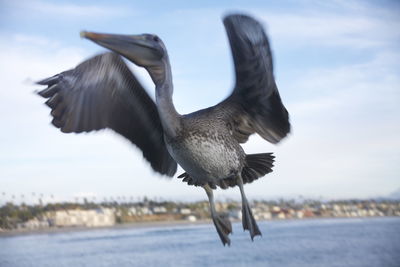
pixel 145 50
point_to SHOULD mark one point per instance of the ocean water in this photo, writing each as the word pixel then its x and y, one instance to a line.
pixel 317 242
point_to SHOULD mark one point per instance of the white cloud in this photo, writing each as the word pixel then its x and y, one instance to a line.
pixel 351 24
pixel 34 40
pixel 368 85
pixel 334 30
pixel 74 10
pixel 316 27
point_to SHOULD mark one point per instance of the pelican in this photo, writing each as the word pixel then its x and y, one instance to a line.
pixel 102 92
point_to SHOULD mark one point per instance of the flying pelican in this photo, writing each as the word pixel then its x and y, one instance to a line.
pixel 103 93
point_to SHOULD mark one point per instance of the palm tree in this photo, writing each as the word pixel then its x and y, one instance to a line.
pixel 41 199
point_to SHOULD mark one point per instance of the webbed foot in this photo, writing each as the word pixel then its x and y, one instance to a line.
pixel 221 221
pixel 248 221
pixel 223 226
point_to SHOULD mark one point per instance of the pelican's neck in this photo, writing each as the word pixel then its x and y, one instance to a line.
pixel 170 118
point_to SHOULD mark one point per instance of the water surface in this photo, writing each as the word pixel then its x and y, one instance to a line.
pixel 317 242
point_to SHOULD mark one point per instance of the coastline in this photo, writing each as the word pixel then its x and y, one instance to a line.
pixel 55 230
pixel 148 224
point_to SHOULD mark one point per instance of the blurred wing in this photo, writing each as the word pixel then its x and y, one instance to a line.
pixel 255 104
pixel 103 93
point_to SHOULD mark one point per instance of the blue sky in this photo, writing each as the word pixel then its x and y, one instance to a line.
pixel 337 65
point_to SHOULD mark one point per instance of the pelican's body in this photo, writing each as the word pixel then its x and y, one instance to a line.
pixel 205 149
pixel 102 93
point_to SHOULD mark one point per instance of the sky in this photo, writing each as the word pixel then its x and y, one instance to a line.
pixel 336 64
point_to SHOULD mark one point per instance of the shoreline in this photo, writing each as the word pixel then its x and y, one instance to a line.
pixel 149 224
pixel 55 230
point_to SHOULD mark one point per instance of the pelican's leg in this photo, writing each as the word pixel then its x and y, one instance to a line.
pixel 248 221
pixel 221 222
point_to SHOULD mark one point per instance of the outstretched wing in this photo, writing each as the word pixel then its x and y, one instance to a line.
pixel 255 104
pixel 103 93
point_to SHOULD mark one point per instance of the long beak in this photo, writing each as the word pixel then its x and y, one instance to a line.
pixel 104 39
pixel 133 47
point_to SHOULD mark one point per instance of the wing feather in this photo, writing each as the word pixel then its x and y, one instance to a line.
pixel 255 105
pixel 103 93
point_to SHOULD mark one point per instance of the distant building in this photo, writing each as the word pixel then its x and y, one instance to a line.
pixel 33 224
pixel 235 214
pixel 276 209
pixel 185 211
pixel 299 214
pixel 265 215
pixel 159 209
pixel 133 211
pixel 87 218
pixel 144 211
pixel 281 215
pixel 191 218
pixel 308 213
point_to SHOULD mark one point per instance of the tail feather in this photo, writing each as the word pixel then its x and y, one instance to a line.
pixel 256 166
